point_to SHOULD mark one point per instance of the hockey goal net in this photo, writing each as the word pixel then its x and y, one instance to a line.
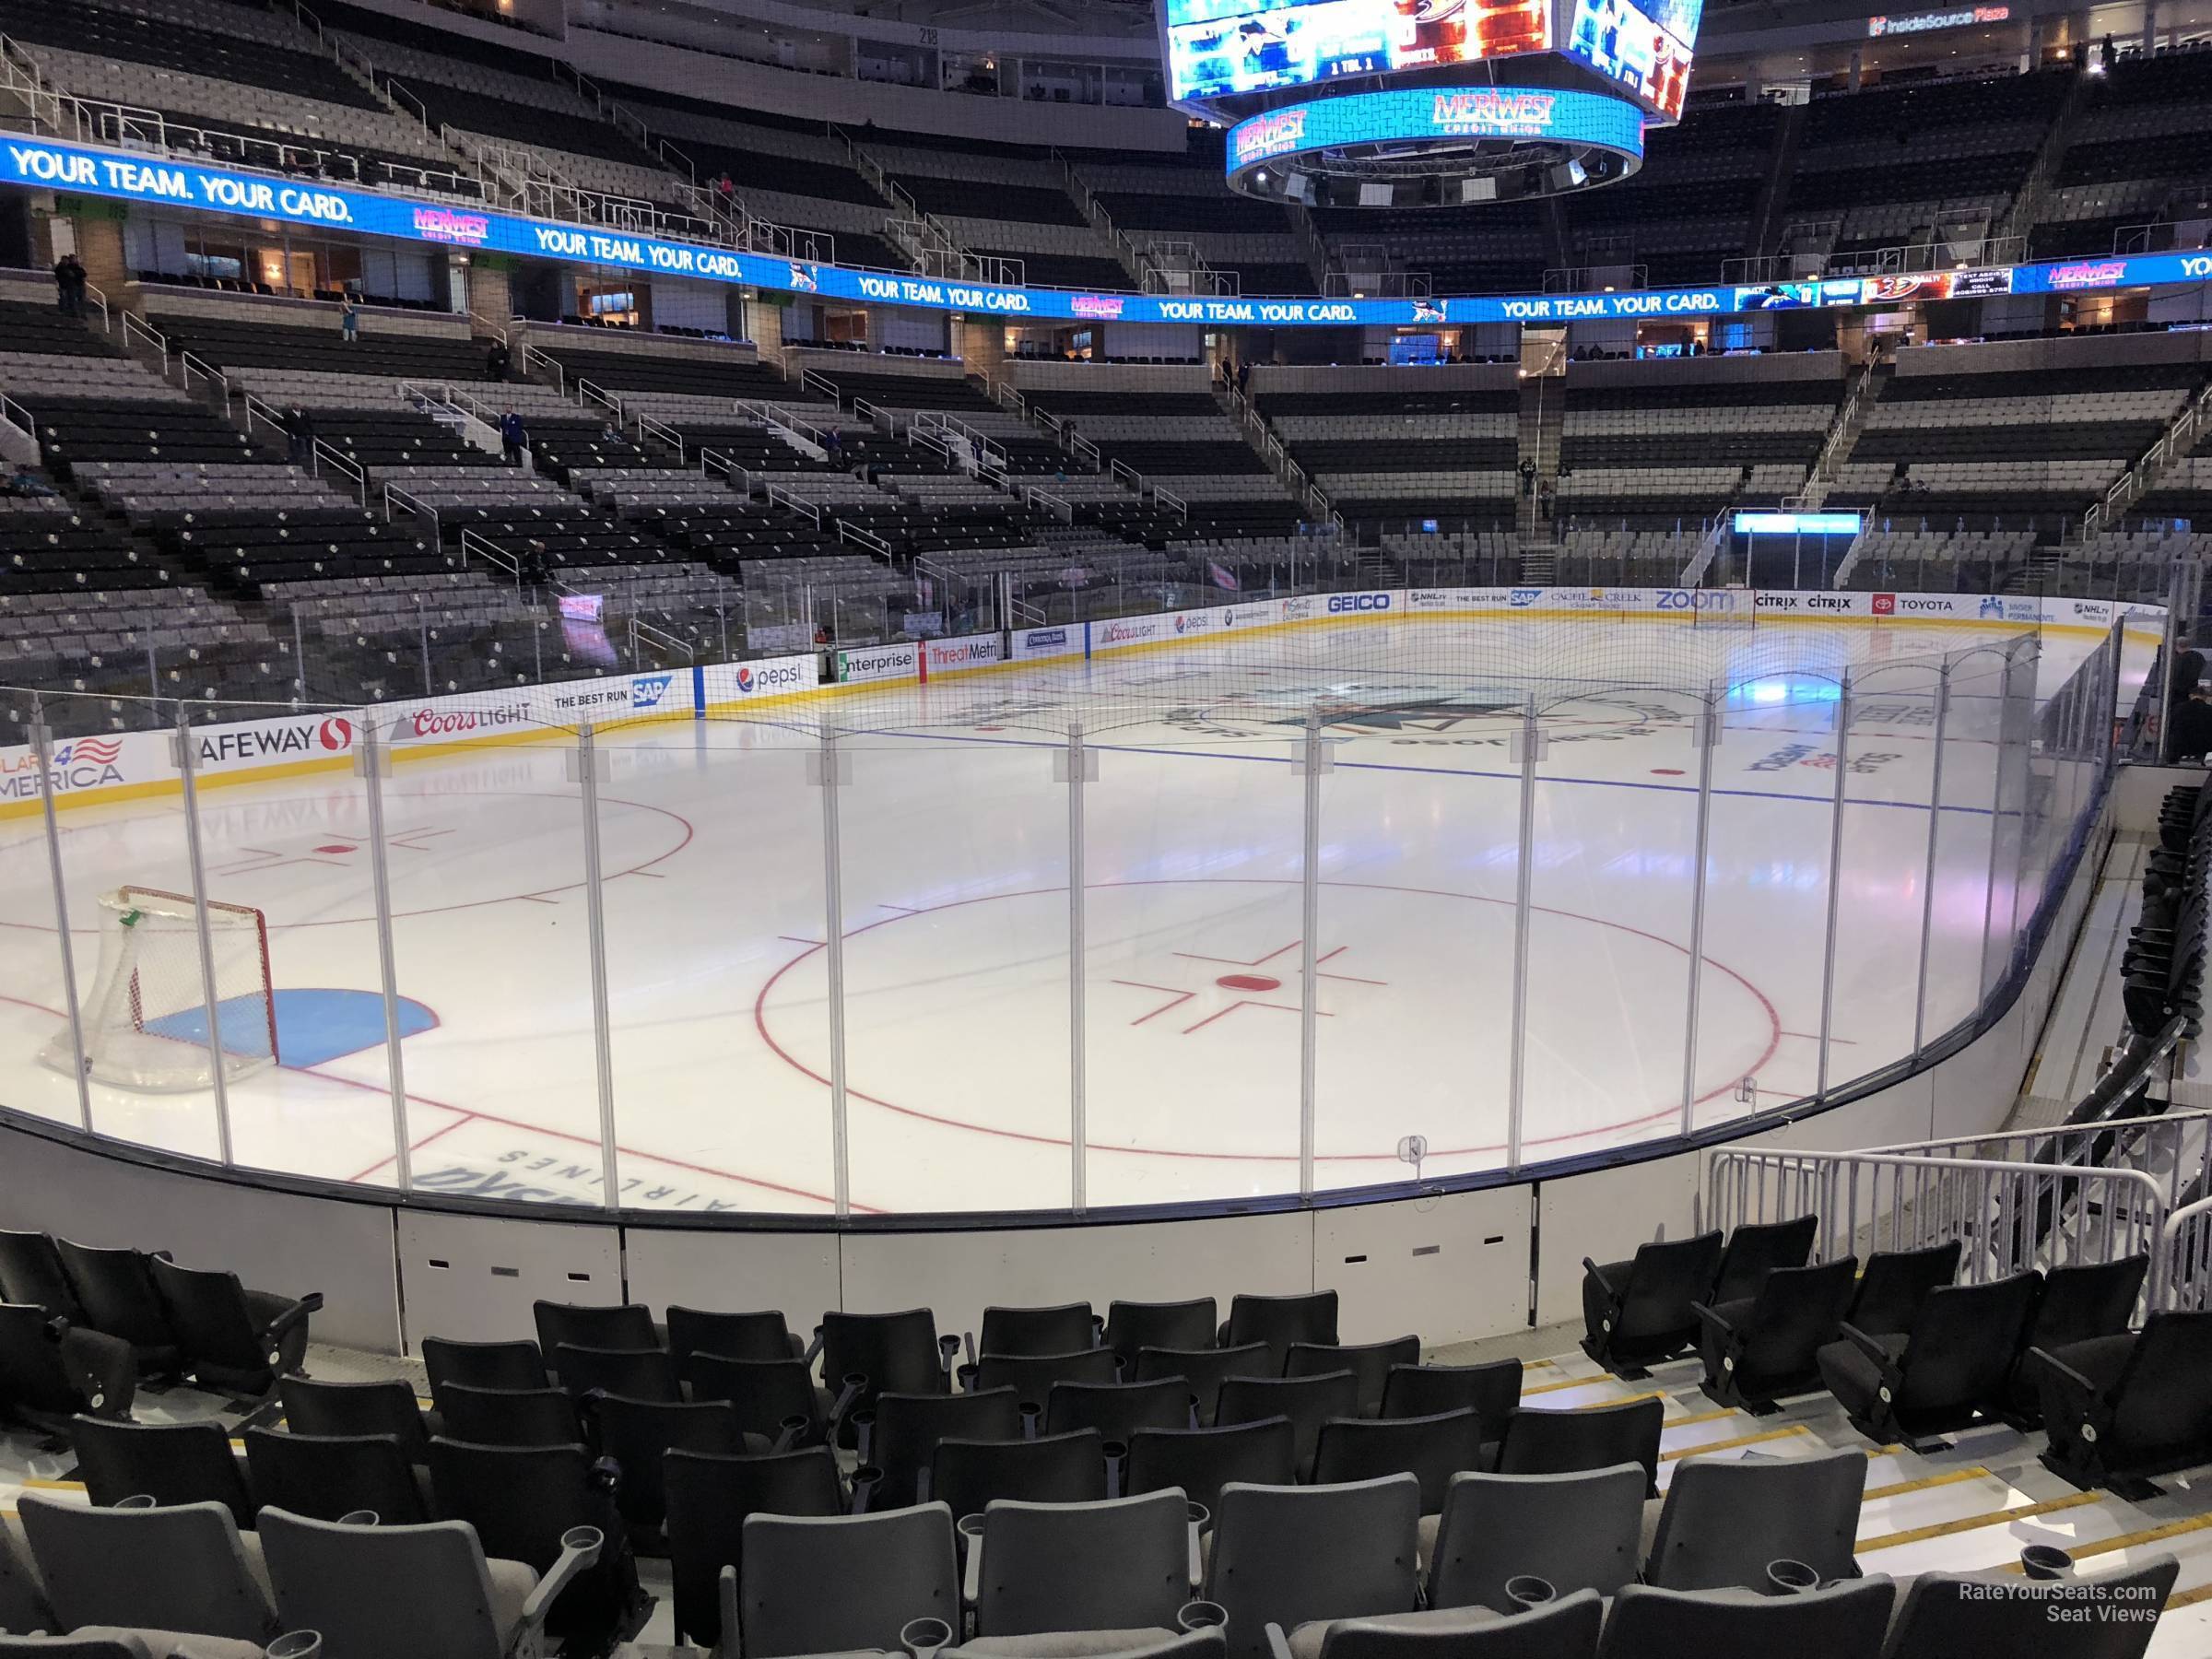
pixel 146 1022
pixel 1724 607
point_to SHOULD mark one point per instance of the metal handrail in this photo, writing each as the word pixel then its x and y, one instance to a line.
pixel 133 323
pixel 187 362
pixel 2185 1259
pixel 1934 1200
pixel 345 465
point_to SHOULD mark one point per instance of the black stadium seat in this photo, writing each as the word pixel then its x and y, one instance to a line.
pixel 1565 1442
pixel 1894 1285
pixel 1763 1345
pixel 1638 1312
pixel 2120 1409
pixel 1944 1371
pixel 50 1373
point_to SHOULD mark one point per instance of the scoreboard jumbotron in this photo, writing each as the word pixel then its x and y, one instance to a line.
pixel 1413 103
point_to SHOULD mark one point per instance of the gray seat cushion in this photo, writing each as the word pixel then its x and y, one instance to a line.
pixel 1062 1644
pixel 1307 1640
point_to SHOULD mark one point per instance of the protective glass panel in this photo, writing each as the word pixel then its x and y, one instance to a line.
pixel 36 1038
pixel 711 846
pixel 2018 810
pixel 955 860
pixel 1193 917
pixel 1767 872
pixel 1614 832
pixel 297 845
pixel 142 993
pixel 1419 849
pixel 485 842
pixel 1965 788
pixel 1882 881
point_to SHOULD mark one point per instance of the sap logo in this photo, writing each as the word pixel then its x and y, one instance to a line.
pixel 1341 603
pixel 1521 598
pixel 1884 604
pixel 647 691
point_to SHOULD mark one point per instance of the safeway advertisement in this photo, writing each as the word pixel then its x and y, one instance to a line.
pixel 321 736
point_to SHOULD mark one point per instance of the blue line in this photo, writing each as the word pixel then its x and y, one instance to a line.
pixel 1434 772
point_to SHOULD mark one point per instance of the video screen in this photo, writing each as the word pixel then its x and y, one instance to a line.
pixel 1218 47
pixel 1635 46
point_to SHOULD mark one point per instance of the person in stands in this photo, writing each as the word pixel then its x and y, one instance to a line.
pixel 26 485
pixel 2192 725
pixel 496 361
pixel 69 284
pixel 350 319
pixel 300 434
pixel 514 438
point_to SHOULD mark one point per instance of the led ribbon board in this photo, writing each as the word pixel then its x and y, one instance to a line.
pixel 87 169
pixel 1796 524
pixel 1511 125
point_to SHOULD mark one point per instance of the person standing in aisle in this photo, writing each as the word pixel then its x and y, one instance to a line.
pixel 350 320
pixel 514 438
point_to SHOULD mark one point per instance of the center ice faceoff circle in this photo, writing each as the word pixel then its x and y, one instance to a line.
pixel 1192 994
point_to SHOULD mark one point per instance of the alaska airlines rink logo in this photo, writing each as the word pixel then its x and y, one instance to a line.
pixel 81 763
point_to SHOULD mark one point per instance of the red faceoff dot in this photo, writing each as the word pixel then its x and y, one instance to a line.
pixel 1248 982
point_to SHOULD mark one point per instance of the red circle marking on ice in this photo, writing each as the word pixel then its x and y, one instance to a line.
pixel 1248 982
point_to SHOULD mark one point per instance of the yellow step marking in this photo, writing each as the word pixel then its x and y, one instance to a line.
pixel 1944 1529
pixel 1623 1400
pixel 1703 1417
pixel 2149 1534
pixel 1948 1478
pixel 1791 1431
pixel 1569 1382
pixel 2189 1598
pixel 56 1486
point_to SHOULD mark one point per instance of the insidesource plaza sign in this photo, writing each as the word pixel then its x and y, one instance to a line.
pixel 157 182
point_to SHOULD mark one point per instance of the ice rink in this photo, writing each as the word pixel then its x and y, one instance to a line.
pixel 953 842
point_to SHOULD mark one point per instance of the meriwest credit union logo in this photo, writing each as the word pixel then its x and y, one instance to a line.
pixel 1274 135
pixel 1487 113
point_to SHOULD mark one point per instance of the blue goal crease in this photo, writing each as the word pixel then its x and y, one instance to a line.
pixel 314 1024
